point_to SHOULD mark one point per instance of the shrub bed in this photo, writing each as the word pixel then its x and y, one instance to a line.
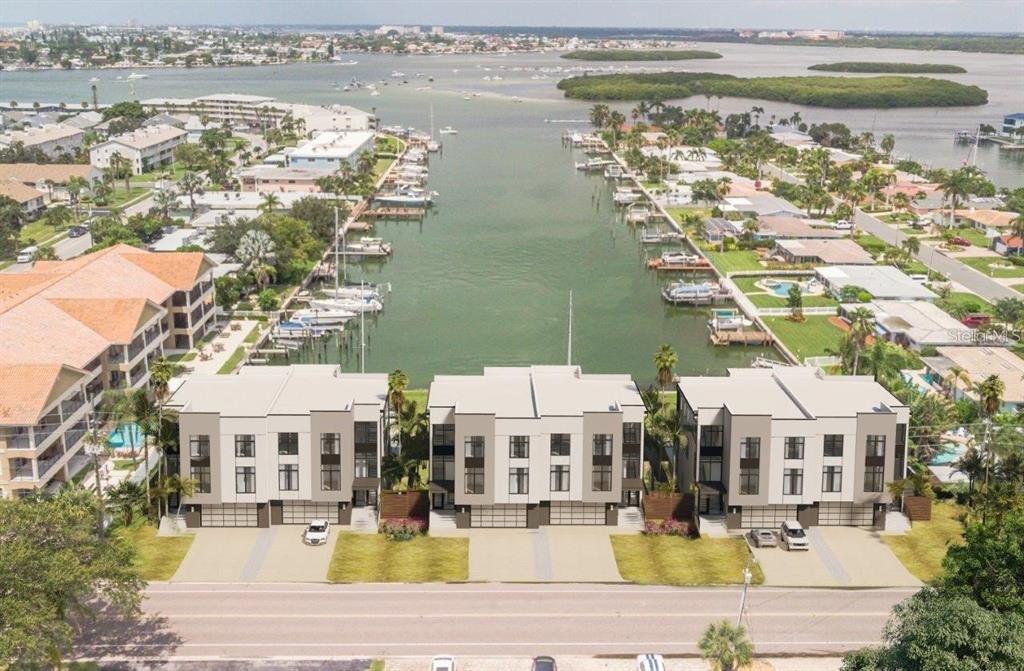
pixel 402 528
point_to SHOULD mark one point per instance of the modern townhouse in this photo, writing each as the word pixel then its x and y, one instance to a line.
pixel 768 445
pixel 145 149
pixel 70 330
pixel 537 445
pixel 52 139
pixel 281 444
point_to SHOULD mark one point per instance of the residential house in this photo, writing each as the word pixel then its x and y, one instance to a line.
pixel 917 324
pixel 1008 245
pixel 717 229
pixel 780 227
pixel 979 363
pixel 52 140
pixel 762 205
pixel 84 120
pixel 51 178
pixel 884 282
pixel 31 201
pixel 145 149
pixel 843 251
pixel 268 178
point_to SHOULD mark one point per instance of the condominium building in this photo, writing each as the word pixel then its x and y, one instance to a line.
pixel 280 444
pixel 329 150
pixel 51 139
pixel 146 148
pixel 69 330
pixel 537 445
pixel 767 445
pixel 262 111
pixel 271 178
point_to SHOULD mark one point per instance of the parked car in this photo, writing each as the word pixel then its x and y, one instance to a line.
pixel 650 663
pixel 959 242
pixel 27 255
pixel 316 532
pixel 762 538
pixel 842 225
pixel 544 663
pixel 77 231
pixel 792 536
pixel 442 663
pixel 976 319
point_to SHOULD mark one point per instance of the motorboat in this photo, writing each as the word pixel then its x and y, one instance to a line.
pixel 595 164
pixel 348 62
pixel 727 319
pixel 433 146
pixel 313 317
pixel 410 196
pixel 625 196
pixel 354 291
pixel 135 75
pixel 368 247
pixel 349 304
pixel 375 93
pixel 679 259
pixel 660 238
pixel 93 80
pixel 297 329
pixel 448 130
pixel 395 74
pixel 692 292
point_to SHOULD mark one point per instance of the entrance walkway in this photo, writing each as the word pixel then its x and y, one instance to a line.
pixel 548 554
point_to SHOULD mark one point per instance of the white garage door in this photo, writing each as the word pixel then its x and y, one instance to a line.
pixel 574 512
pixel 768 517
pixel 845 514
pixel 229 515
pixel 499 515
pixel 303 512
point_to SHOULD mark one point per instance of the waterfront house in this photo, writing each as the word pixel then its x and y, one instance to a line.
pixel 783 227
pixel 882 282
pixel 717 229
pixel 281 444
pixel 917 324
pixel 768 445
pixel 30 200
pixel 979 363
pixel 843 251
pixel 537 445
pixel 762 204
pixel 269 178
pixel 52 140
pixel 84 120
pixel 984 218
pixel 145 149
pixel 328 150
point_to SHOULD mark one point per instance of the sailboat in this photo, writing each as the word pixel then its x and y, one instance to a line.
pixel 432 144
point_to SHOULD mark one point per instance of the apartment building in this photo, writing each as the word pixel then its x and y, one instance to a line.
pixel 273 179
pixel 51 139
pixel 146 148
pixel 537 445
pixel 281 444
pixel 69 330
pixel 260 111
pixel 767 445
pixel 327 151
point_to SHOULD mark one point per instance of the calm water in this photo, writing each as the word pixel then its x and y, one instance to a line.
pixel 484 279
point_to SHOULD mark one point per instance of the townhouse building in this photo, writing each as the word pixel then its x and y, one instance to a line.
pixel 537 445
pixel 69 331
pixel 146 148
pixel 768 445
pixel 281 444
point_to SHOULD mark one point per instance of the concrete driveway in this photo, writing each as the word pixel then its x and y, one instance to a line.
pixel 276 554
pixel 548 554
pixel 839 557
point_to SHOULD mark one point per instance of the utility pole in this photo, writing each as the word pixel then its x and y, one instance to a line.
pixel 747 577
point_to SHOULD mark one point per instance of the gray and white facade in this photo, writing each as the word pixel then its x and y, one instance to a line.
pixel 537 445
pixel 767 445
pixel 280 445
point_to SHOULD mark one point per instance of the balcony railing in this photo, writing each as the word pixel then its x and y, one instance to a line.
pixel 69 407
pixel 16 439
pixel 138 372
pixel 116 354
pixel 197 315
pixel 136 347
pixel 75 434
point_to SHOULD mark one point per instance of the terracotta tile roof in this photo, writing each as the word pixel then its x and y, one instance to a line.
pixel 116 319
pixel 19 192
pixel 178 269
pixel 1012 240
pixel 27 389
pixel 58 173
pixel 986 217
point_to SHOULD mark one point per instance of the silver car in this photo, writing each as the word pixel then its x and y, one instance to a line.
pixel 762 538
pixel 792 536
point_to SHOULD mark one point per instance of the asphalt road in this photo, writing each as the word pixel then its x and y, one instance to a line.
pixel 302 621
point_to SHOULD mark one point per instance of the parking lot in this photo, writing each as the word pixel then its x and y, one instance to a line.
pixel 275 554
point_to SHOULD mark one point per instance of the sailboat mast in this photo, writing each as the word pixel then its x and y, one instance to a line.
pixel 362 331
pixel 568 356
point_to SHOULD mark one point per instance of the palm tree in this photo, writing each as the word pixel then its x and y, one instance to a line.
pixel 888 144
pixel 125 499
pixel 725 645
pixel 397 383
pixel 956 186
pixel 954 376
pixel 862 325
pixel 164 199
pixel 911 245
pixel 270 203
pixel 122 167
pixel 183 487
pixel 665 360
pixel 990 394
pixel 75 186
pixel 795 303
pixel 254 250
pixel 365 163
pixel 599 115
pixel 972 465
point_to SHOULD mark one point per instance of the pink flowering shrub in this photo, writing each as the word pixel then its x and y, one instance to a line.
pixel 666 528
pixel 402 528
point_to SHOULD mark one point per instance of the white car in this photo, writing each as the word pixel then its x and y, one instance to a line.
pixel 650 663
pixel 842 225
pixel 316 532
pixel 793 537
pixel 442 663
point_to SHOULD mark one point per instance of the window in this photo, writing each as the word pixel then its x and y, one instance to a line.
pixel 560 478
pixel 901 435
pixel 602 444
pixel 874 480
pixel 832 479
pixel 199 446
pixel 519 447
pixel 793 481
pixel 474 481
pixel 794 447
pixel 365 433
pixel 288 477
pixel 602 481
pixel 330 443
pixel 287 443
pixel 518 481
pixel 330 477
pixel 710 469
pixel 475 447
pixel 560 444
pixel 245 445
pixel 442 467
pixel 712 435
pixel 750 448
pixel 366 465
pixel 631 432
pixel 876 446
pixel 444 435
pixel 631 465
pixel 201 474
pixel 833 445
pixel 245 480
pixel 750 480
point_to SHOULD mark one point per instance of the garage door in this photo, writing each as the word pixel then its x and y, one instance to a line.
pixel 845 514
pixel 303 512
pixel 498 515
pixel 574 512
pixel 769 517
pixel 229 515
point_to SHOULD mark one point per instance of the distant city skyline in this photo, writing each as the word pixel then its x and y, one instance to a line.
pixel 881 15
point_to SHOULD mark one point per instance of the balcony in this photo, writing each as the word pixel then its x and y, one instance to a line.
pixel 116 354
pixel 136 347
pixel 197 315
pixel 153 333
pixel 70 406
pixel 179 299
pixel 180 321
pixel 16 438
pixel 137 373
pixel 75 434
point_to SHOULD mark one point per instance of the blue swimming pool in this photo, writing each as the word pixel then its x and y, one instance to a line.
pixel 950 453
pixel 126 437
pixel 782 288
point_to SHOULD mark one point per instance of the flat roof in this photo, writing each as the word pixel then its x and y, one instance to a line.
pixel 981 362
pixel 333 144
pixel 921 321
pixel 146 136
pixel 782 226
pixel 828 251
pixel 879 281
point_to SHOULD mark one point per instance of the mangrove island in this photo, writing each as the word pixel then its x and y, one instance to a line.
pixel 889 68
pixel 639 54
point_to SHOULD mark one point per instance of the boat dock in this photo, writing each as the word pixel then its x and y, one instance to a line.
pixel 758 338
pixel 661 266
pixel 397 213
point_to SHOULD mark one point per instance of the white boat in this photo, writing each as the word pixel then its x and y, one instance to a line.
pixel 448 130
pixel 368 247
pixel 625 197
pixel 349 304
pixel 135 75
pixel 347 62
pixel 375 93
pixel 407 195
pixel 728 320
pixel 313 317
pixel 395 74
pixel 679 258
pixel 93 80
pixel 693 292
pixel 297 329
pixel 368 291
pixel 659 238
pixel 595 164
pixel 433 146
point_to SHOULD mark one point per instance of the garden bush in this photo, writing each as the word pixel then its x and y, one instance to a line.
pixel 402 528
pixel 667 528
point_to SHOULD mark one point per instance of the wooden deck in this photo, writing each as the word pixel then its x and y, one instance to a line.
pixel 394 213
pixel 741 338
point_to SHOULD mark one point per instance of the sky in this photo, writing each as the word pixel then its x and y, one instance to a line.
pixel 896 15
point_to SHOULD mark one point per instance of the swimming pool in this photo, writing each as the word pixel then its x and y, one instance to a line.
pixel 126 437
pixel 781 287
pixel 950 453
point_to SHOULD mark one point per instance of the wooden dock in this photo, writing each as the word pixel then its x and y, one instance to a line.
pixel 657 264
pixel 394 213
pixel 741 338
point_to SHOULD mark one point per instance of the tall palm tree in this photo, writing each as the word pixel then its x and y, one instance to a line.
pixel 599 115
pixel 971 465
pixel 725 645
pixel 665 360
pixel 122 167
pixel 952 379
pixel 862 325
pixel 270 203
pixel 191 185
pixel 397 383
pixel 990 394
pixel 912 245
pixel 164 199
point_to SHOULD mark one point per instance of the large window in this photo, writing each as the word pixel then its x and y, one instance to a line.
pixel 518 481
pixel 444 435
pixel 365 433
pixel 288 477
pixel 560 478
pixel 750 448
pixel 793 481
pixel 199 446
pixel 366 465
pixel 245 445
pixel 519 447
pixel 712 435
pixel 876 446
pixel 602 480
pixel 832 479
pixel 874 479
pixel 330 443
pixel 330 477
pixel 631 465
pixel 603 444
pixel 560 444
pixel 474 481
pixel 245 480
pixel 710 469
pixel 631 432
pixel 794 447
pixel 833 444
pixel 750 480
pixel 288 443
pixel 442 467
pixel 474 447
pixel 201 474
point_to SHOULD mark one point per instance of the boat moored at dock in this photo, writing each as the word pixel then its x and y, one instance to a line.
pixel 694 293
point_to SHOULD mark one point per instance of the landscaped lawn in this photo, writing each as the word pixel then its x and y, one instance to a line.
pixel 922 548
pixel 811 337
pixel 738 259
pixel 232 361
pixel 418 395
pixel 764 299
pixel 373 558
pixel 157 557
pixel 36 232
pixel 976 237
pixel 672 560
pixel 381 165
pixel 120 196
pixel 969 301
pixel 678 213
pixel 983 264
pixel 173 172
pixel 871 244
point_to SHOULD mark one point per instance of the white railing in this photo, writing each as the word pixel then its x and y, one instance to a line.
pixel 822 361
pixel 783 312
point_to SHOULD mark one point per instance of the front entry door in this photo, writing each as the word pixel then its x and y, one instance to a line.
pixel 364 497
pixel 631 497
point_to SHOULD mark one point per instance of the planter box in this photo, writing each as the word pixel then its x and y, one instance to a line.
pixel 404 504
pixel 917 508
pixel 660 506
